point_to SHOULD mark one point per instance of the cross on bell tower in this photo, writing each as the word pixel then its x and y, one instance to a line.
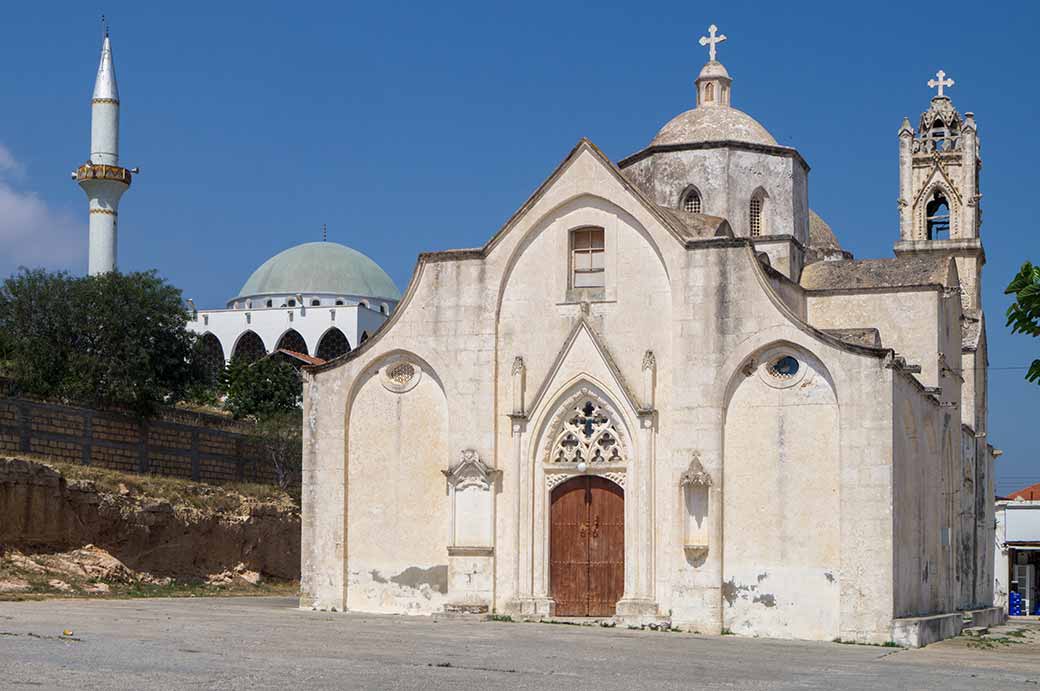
pixel 941 82
pixel 712 40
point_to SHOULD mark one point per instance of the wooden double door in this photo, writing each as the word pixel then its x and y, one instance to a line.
pixel 587 547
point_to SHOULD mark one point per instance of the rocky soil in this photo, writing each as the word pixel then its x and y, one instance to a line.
pixel 69 529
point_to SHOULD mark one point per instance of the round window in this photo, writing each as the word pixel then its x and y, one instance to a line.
pixel 784 368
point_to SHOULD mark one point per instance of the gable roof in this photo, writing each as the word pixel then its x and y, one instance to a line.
pixel 582 325
pixel 1031 493
pixel 908 271
pixel 690 229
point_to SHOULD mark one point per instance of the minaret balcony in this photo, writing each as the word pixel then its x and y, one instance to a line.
pixel 99 171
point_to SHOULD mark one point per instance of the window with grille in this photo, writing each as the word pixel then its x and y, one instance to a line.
pixel 756 217
pixel 692 202
pixel 587 258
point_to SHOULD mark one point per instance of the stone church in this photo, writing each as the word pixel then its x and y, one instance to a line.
pixel 663 392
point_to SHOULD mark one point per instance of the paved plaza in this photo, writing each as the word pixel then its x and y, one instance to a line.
pixel 261 643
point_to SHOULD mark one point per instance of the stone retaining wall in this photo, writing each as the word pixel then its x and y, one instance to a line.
pixel 180 444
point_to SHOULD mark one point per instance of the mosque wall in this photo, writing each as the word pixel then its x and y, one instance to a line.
pixel 270 324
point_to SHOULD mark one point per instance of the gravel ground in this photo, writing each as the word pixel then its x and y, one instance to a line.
pixel 267 643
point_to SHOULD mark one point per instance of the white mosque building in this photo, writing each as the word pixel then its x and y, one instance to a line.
pixel 318 299
pixel 315 301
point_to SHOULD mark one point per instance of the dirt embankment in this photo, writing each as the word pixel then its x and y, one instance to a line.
pixel 87 528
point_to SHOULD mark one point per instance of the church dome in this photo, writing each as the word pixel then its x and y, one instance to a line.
pixel 820 234
pixel 713 124
pixel 320 267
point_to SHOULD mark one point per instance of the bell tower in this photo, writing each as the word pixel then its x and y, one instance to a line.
pixel 939 167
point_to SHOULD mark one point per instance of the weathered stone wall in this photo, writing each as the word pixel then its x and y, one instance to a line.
pixel 177 444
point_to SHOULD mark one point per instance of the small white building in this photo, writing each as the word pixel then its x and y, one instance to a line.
pixel 1017 565
pixel 320 299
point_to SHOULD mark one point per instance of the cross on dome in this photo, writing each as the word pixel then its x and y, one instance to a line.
pixel 941 82
pixel 711 40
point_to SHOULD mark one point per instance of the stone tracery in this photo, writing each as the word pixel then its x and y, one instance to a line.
pixel 584 431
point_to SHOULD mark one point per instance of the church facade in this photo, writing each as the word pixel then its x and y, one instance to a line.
pixel 663 392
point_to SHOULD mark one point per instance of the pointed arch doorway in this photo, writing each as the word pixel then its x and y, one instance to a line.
pixel 587 547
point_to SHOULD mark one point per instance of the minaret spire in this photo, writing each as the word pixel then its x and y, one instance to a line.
pixel 102 178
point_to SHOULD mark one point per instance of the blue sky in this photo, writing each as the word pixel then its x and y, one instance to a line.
pixel 412 127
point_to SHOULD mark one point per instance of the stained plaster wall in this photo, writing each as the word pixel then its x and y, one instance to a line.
pixel 397 528
pixel 782 546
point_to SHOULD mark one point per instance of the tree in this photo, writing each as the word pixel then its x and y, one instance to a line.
pixel 261 389
pixel 37 329
pixel 1023 316
pixel 268 391
pixel 281 437
pixel 107 340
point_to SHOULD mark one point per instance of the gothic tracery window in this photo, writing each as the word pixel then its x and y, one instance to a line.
pixel 588 435
pixel 587 258
pixel 692 202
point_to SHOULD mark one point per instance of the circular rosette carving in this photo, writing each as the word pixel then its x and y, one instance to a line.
pixel 400 375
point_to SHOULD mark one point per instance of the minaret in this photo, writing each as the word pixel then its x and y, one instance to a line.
pixel 102 178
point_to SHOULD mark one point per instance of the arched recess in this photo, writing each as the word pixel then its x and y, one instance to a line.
pixel 938 188
pixel 248 347
pixel 209 358
pixel 292 340
pixel 598 211
pixel 781 497
pixel 332 344
pixel 595 430
pixel 397 511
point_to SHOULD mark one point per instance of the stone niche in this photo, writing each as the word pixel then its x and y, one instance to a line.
pixel 695 484
pixel 471 495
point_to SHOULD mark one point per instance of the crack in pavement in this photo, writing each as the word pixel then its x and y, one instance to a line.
pixel 41 636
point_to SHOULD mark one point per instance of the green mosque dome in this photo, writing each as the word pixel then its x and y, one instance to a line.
pixel 320 267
